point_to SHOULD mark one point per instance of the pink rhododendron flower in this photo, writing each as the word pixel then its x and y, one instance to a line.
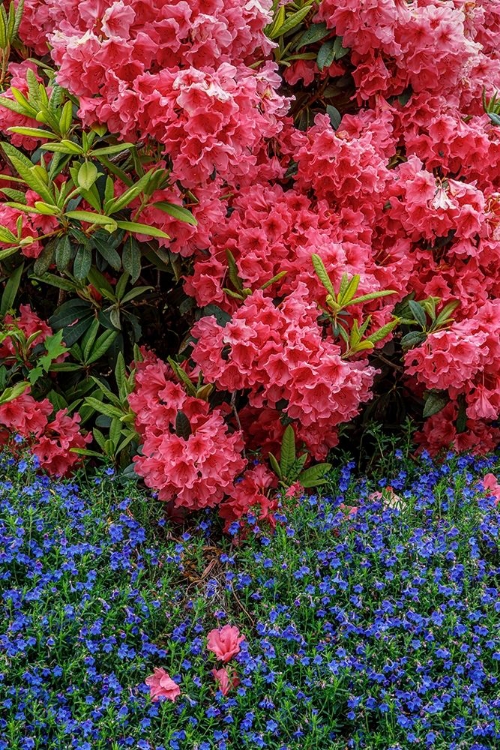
pixel 225 642
pixel 490 483
pixel 226 683
pixel 162 686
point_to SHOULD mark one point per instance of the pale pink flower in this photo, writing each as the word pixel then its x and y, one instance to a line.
pixel 222 677
pixel 162 686
pixel 225 642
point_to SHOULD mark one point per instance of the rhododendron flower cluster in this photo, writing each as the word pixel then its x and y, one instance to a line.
pixel 279 356
pixel 50 441
pixel 192 469
pixel 397 187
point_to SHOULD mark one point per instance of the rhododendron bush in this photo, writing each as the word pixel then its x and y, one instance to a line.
pixel 292 207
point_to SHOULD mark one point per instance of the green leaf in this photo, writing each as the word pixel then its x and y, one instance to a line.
pixel 334 115
pixel 57 281
pixel 182 425
pixel 33 132
pixel 382 332
pixel 315 33
pixel 131 258
pixel 87 175
pixel 64 147
pixel 13 392
pixel 91 218
pixel 136 292
pixel 290 23
pixel 133 226
pixel 121 375
pixel 413 339
pixel 495 119
pixel 45 259
pixel 83 262
pixel 103 408
pixel 178 212
pixel 108 150
pixel 443 316
pixel 128 195
pixel 102 345
pixel 11 289
pixel 182 376
pixel 314 475
pixel 89 338
pixel 322 274
pixel 7 236
pixel 368 297
pixel 233 271
pixel 30 177
pixel 418 312
pixel 272 281
pixel 107 251
pixel 326 54
pixel 275 466
pixel 434 402
pixel 461 423
pixel 287 458
pixel 64 253
pixel 339 51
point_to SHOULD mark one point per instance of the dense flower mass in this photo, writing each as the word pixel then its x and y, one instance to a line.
pixel 387 637
pixel 326 196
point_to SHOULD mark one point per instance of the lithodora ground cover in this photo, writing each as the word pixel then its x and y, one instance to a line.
pixel 369 628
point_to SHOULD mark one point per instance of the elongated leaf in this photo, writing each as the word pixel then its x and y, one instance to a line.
pixel 9 394
pixel 129 195
pixel 182 425
pixel 108 150
pixel 131 258
pixel 91 218
pixel 64 253
pixel 322 274
pixel 45 259
pixel 31 178
pixel 136 292
pixel 89 338
pixel 183 377
pixel 315 33
pixel 133 226
pixel 382 332
pixel 11 289
pixel 87 175
pixel 275 466
pixel 339 51
pixel 178 212
pixel 121 375
pixel 435 402
pixel 102 345
pixel 290 23
pixel 57 281
pixel 418 312
pixel 350 291
pixel 446 312
pixel 413 339
pixel 314 475
pixel 334 115
pixel 287 458
pixel 33 132
pixel 368 297
pixel 7 236
pixel 233 271
pixel 102 408
pixel 108 252
pixel 83 262
pixel 326 54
